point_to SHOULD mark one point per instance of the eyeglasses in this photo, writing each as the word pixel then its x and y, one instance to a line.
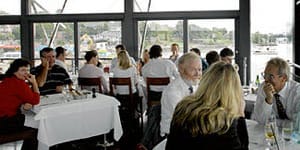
pixel 269 76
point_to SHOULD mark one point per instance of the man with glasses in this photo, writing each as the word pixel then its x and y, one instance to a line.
pixel 277 95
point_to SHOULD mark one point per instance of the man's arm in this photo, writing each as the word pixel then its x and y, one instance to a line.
pixel 42 76
pixel 262 109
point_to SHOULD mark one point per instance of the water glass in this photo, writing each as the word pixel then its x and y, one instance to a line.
pixel 287 131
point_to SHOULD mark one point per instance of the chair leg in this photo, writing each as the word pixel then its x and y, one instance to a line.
pixel 142 114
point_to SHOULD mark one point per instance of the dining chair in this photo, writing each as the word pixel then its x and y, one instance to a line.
pixel 27 133
pixel 82 82
pixel 134 101
pixel 155 81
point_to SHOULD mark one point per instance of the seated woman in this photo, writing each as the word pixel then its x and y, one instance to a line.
pixel 15 92
pixel 90 69
pixel 212 118
pixel 142 61
pixel 123 70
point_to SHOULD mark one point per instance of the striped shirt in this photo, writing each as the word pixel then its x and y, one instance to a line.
pixel 57 76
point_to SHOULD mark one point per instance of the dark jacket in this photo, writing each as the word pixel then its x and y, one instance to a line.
pixel 236 138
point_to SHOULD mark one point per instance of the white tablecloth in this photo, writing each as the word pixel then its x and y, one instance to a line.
pixel 76 119
pixel 256 139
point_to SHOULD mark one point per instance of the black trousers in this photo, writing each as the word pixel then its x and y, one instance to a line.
pixel 15 124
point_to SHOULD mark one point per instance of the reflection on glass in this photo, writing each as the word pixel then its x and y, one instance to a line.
pixel 101 36
pixel 186 5
pixel 211 34
pixel 270 37
pixel 10 47
pixel 163 33
pixel 64 36
pixel 10 7
pixel 76 6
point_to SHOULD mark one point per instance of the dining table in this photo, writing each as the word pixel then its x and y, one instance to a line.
pixel 60 118
pixel 256 139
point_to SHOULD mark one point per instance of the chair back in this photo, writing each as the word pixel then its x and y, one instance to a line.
pixel 133 100
pixel 157 81
pixel 90 82
pixel 27 133
pixel 120 81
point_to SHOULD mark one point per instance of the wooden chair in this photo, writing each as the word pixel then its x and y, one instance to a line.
pixel 90 82
pixel 25 134
pixel 156 81
pixel 133 101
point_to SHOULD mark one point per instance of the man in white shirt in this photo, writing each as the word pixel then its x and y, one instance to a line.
pixel 60 57
pixel 114 61
pixel 158 67
pixel 190 69
pixel 277 84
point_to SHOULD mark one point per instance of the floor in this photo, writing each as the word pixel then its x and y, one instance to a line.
pixel 11 146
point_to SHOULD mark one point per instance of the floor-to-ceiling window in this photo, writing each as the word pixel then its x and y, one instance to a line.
pixel 271 33
pixel 208 25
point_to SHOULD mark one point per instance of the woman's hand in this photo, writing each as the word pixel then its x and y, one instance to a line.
pixel 27 106
pixel 31 78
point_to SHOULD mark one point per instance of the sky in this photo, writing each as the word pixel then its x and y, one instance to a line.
pixel 267 16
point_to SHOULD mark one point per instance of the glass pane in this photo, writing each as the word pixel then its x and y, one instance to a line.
pixel 76 6
pixel 211 34
pixel 271 33
pixel 163 33
pixel 10 47
pixel 10 7
pixel 185 5
pixel 64 37
pixel 100 36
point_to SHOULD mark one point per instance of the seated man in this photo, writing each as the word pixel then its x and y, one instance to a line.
pixel 61 57
pixel 114 61
pixel 158 67
pixel 190 70
pixel 277 94
pixel 50 77
pixel 227 55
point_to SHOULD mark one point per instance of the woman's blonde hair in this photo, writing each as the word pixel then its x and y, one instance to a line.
pixel 215 104
pixel 124 61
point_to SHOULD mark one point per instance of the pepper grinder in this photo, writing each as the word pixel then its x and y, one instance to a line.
pixel 94 92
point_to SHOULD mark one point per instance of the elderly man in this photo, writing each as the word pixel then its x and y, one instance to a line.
pixel 50 77
pixel 190 70
pixel 277 95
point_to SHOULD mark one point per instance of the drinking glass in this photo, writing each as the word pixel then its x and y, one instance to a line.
pixel 269 134
pixel 287 131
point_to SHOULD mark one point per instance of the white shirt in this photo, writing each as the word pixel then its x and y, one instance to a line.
pixel 171 96
pixel 130 72
pixel 114 63
pixel 92 71
pixel 159 68
pixel 290 98
pixel 61 63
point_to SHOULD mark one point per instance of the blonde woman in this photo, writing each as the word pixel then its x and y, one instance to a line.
pixel 125 69
pixel 212 118
pixel 142 61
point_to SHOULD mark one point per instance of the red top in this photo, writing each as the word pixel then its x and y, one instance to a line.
pixel 13 93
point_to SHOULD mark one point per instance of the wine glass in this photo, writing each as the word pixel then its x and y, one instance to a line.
pixel 270 135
